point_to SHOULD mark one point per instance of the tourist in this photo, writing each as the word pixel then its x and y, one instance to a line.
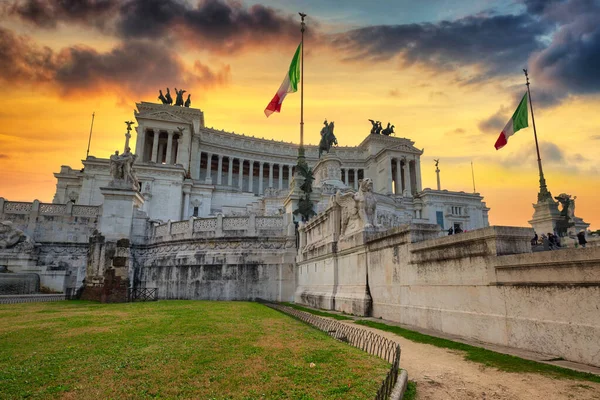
pixel 534 241
pixel 581 238
pixel 450 231
pixel 458 229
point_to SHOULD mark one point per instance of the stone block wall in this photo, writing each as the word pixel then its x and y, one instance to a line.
pixel 232 268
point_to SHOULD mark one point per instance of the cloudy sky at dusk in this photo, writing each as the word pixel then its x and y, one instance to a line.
pixel 447 74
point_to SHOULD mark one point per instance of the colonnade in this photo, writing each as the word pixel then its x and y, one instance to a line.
pixel 247 175
pixel 160 146
pixel 351 176
pixel 404 176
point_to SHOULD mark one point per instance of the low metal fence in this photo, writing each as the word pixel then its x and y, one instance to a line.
pixel 142 294
pixel 30 298
pixel 366 340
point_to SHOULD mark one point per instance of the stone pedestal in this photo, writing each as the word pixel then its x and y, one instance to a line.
pixel 328 173
pixel 545 217
pixel 118 211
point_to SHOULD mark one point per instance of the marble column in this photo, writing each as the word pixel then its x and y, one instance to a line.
pixel 208 178
pixel 280 176
pixel 289 175
pixel 186 204
pixel 169 158
pixel 398 176
pixel 388 171
pixel 220 170
pixel 407 187
pixel 355 178
pixel 241 175
pixel 270 174
pixel 140 141
pixel 346 176
pixel 230 175
pixel 251 177
pixel 155 145
pixel 260 177
pixel 418 174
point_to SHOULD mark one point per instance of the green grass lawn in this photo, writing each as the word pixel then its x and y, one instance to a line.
pixel 175 349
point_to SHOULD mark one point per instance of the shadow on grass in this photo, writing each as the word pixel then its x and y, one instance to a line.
pixel 489 358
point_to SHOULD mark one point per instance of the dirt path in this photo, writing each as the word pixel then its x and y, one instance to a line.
pixel 445 375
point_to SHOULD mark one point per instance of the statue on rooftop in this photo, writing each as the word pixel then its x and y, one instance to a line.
pixel 179 98
pixel 328 139
pixel 162 98
pixel 376 128
pixel 168 97
pixel 188 102
pixel 388 131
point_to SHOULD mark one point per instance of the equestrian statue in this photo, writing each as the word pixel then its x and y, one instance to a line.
pixel 328 139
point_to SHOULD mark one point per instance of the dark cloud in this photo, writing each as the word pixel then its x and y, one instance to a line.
pixel 46 13
pixel 394 93
pixel 570 63
pixel 4 156
pixel 132 67
pixel 497 43
pixel 595 137
pixel 218 25
pixel 456 132
pixel 496 122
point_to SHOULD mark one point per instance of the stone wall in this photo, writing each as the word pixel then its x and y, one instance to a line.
pixel 484 285
pixel 226 268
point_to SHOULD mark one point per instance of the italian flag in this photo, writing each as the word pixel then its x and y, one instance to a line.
pixel 517 122
pixel 289 84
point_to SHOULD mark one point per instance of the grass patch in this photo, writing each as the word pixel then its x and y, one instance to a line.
pixel 317 312
pixel 411 391
pixel 489 358
pixel 175 349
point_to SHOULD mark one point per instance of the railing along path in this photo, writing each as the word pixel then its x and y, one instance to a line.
pixel 366 340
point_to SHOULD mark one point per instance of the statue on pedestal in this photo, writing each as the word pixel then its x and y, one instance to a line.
pixel 328 139
pixel 376 129
pixel 358 208
pixel 168 98
pixel 121 169
pixel 188 102
pixel 162 98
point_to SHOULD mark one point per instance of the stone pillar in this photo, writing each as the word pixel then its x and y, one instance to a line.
pixel 418 174
pixel 251 176
pixel 280 176
pixel 169 159
pixel 140 141
pixel 117 211
pixel 155 145
pixel 208 178
pixel 230 175
pixel 181 155
pixel 260 177
pixel 186 203
pixel 388 171
pixel 356 178
pixel 290 175
pixel 346 176
pixel 220 170
pixel 407 187
pixel 270 174
pixel 398 177
pixel 241 175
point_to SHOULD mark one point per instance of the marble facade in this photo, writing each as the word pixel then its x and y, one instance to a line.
pixel 187 169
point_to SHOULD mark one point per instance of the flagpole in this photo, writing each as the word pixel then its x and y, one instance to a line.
pixel 87 153
pixel 544 194
pixel 301 148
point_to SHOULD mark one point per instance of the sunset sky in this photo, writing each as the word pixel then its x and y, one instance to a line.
pixel 448 74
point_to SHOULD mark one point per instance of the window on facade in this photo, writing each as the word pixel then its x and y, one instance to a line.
pixel 195 211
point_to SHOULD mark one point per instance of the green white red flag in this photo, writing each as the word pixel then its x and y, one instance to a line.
pixel 289 84
pixel 517 122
